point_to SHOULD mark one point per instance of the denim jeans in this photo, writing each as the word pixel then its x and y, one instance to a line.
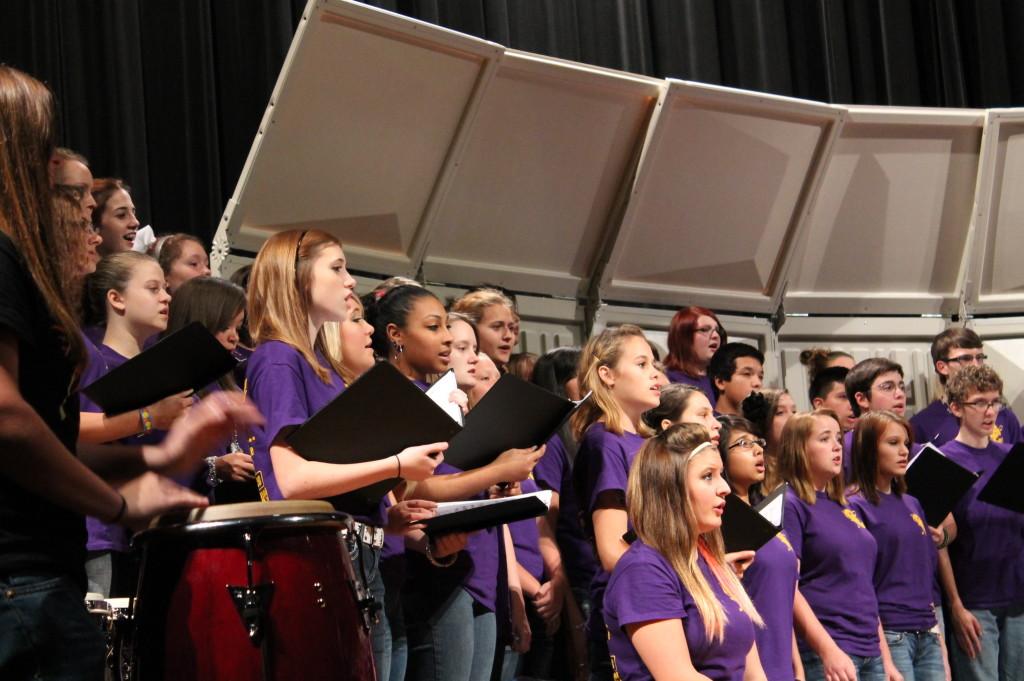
pixel 366 565
pixel 454 643
pixel 868 668
pixel 917 654
pixel 46 634
pixel 1002 647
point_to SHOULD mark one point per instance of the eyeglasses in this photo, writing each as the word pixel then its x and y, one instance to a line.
pixel 744 443
pixel 967 359
pixel 891 387
pixel 708 330
pixel 985 405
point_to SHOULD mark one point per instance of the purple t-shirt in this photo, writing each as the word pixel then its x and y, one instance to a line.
pixel 936 424
pixel 770 581
pixel 837 566
pixel 602 464
pixel 907 561
pixel 101 360
pixel 526 539
pixel 554 472
pixel 287 391
pixel 702 382
pixel 988 554
pixel 645 588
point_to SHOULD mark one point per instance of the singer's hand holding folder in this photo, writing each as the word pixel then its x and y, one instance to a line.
pixel 467 516
pixel 188 359
pixel 937 482
pixel 378 416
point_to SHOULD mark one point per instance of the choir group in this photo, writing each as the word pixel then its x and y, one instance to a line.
pixel 626 577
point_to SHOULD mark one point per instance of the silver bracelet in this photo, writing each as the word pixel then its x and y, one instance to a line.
pixel 435 562
pixel 211 472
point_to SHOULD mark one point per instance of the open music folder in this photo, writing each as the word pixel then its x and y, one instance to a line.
pixel 379 415
pixel 748 528
pixel 466 516
pixel 1003 488
pixel 188 359
pixel 937 482
pixel 514 414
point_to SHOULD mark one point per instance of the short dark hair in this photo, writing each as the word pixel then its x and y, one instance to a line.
pixel 821 384
pixel 723 363
pixel 863 374
pixel 956 338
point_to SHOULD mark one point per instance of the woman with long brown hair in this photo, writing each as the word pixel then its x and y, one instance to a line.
pixel 673 608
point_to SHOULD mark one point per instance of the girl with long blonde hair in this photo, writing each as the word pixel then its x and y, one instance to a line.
pixel 836 611
pixel 617 368
pixel 673 608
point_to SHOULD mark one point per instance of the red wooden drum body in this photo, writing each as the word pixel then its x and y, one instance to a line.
pixel 269 596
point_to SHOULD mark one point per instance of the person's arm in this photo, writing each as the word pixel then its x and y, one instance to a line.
pixel 610 523
pixel 521 634
pixel 837 665
pixel 512 465
pixel 300 478
pixel 661 644
pixel 798 663
pixel 753 671
pixel 551 595
pixel 966 627
pixel 97 427
pixel 891 672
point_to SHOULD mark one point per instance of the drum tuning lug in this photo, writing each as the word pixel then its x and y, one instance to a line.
pixel 252 604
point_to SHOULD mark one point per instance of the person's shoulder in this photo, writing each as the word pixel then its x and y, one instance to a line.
pixel 642 558
pixel 934 408
pixel 275 352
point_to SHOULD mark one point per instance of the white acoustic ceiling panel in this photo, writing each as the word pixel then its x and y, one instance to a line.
pixel 723 187
pixel 996 280
pixel 542 179
pixel 365 117
pixel 889 230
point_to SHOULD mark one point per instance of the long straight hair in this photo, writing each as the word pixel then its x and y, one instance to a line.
pixel 212 302
pixel 279 295
pixel 603 350
pixel 866 436
pixel 26 212
pixel 663 518
pixel 793 464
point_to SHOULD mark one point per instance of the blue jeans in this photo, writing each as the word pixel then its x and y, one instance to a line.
pixel 454 643
pixel 917 654
pixel 868 668
pixel 46 634
pixel 366 565
pixel 1002 647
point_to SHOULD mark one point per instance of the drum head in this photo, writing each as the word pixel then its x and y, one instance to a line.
pixel 260 514
pixel 255 509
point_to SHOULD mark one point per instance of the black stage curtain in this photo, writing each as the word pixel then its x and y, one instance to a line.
pixel 168 93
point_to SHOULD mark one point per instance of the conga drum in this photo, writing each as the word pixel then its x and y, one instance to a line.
pixel 259 590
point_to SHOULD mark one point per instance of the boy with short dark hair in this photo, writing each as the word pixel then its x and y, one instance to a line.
pixel 828 391
pixel 735 370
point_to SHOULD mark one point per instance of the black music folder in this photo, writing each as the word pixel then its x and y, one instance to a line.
pixel 466 516
pixel 378 416
pixel 188 359
pixel 1003 488
pixel 513 414
pixel 937 482
pixel 748 528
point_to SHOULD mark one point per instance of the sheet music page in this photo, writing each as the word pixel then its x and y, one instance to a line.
pixel 448 507
pixel 772 511
pixel 441 391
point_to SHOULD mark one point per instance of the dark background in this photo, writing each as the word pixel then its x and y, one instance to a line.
pixel 168 93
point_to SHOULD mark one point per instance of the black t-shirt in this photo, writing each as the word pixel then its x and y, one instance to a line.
pixel 37 535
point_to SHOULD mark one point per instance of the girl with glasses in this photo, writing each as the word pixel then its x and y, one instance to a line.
pixel 771 579
pixel 984 575
pixel 693 337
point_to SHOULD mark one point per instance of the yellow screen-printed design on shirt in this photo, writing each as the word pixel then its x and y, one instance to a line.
pixel 920 523
pixel 615 667
pixel 781 536
pixel 851 515
pixel 997 433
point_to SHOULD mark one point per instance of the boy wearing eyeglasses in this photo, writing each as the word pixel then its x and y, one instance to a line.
pixel 875 384
pixel 984 575
pixel 736 370
pixel 952 350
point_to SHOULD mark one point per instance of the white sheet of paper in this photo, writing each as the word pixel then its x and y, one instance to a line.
pixel 446 507
pixel 440 393
pixel 773 511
